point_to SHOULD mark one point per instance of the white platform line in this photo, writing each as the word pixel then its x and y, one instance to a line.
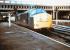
pixel 58 41
pixel 51 39
pixel 38 35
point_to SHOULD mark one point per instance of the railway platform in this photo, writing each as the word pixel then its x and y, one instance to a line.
pixel 20 38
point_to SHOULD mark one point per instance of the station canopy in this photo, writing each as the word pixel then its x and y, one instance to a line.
pixel 39 2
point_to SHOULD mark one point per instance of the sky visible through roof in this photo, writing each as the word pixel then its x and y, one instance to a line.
pixel 41 2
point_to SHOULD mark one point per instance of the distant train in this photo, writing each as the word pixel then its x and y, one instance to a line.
pixel 36 18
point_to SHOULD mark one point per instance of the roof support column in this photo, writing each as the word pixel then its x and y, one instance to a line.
pixel 56 17
pixel 53 12
pixel 9 16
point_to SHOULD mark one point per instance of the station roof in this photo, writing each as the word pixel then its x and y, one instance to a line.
pixel 41 2
pixel 49 2
pixel 58 2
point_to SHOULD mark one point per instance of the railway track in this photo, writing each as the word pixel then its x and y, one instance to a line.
pixel 62 33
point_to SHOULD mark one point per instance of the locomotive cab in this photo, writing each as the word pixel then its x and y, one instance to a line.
pixel 40 19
